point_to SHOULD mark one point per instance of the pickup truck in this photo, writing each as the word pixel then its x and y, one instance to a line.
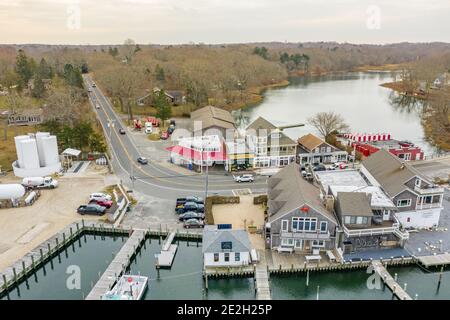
pixel 190 206
pixel 195 199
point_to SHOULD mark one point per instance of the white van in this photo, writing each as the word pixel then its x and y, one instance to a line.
pixel 100 196
pixel 148 127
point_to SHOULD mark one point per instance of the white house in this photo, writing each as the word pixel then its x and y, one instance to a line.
pixel 225 247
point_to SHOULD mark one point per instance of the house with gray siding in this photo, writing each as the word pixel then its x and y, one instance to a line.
pixel 418 200
pixel 312 149
pixel 297 218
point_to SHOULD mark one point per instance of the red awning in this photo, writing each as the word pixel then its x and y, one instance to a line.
pixel 192 154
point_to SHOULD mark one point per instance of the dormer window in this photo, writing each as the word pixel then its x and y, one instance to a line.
pixel 417 183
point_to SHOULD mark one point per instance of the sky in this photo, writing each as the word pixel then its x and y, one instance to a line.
pixel 222 21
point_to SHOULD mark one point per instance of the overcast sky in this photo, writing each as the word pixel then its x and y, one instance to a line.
pixel 223 21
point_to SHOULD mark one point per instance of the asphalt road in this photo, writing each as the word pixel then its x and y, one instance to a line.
pixel 153 179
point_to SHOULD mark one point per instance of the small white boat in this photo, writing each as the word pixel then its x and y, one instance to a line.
pixel 128 287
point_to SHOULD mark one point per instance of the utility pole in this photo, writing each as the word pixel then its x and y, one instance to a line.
pixel 207 173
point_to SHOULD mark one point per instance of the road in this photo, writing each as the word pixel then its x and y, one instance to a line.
pixel 153 179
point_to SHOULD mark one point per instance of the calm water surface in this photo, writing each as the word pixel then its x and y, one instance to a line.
pixel 358 97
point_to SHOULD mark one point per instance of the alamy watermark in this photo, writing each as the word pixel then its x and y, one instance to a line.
pixel 73 11
pixel 73 281
pixel 373 21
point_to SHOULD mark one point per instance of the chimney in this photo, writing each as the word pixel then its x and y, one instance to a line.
pixel 402 166
pixel 329 203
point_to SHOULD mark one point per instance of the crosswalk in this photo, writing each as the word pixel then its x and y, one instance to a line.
pixel 241 192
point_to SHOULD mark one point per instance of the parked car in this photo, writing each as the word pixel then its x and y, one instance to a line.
pixel 190 206
pixel 93 209
pixel 191 215
pixel 244 178
pixel 94 85
pixel 142 160
pixel 165 135
pixel 122 131
pixel 320 167
pixel 102 202
pixel 171 129
pixel 339 165
pixel 100 196
pixel 195 199
pixel 193 223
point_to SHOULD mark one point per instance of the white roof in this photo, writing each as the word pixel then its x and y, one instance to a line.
pixel 71 152
pixel 379 198
pixel 201 142
pixel 351 178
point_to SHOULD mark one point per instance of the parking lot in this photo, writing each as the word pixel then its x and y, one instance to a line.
pixel 24 228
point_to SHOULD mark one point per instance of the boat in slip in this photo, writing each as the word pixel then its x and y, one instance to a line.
pixel 128 287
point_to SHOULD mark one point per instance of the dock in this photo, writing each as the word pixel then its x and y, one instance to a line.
pixel 168 251
pixel 262 278
pixel 386 277
pixel 435 260
pixel 118 266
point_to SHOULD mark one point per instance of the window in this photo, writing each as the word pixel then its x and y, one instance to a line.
pixel 237 256
pixel 359 220
pixel 352 220
pixel 287 242
pixel 284 225
pixel 323 226
pixel 304 224
pixel 365 220
pixel 404 203
pixel 417 183
pixel 227 245
pixel 347 219
pixel 318 243
pixel 328 149
pixel 227 256
pixel 216 257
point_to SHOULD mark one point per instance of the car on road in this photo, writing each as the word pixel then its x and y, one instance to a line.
pixel 165 135
pixel 191 215
pixel 193 223
pixel 100 196
pixel 97 106
pixel 244 178
pixel 94 85
pixel 89 89
pixel 190 206
pixel 122 131
pixel 195 199
pixel 142 160
pixel 102 202
pixel 93 209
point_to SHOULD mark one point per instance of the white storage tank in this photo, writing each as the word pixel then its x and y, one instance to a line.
pixel 50 151
pixel 19 149
pixel 30 154
pixel 40 147
pixel 11 191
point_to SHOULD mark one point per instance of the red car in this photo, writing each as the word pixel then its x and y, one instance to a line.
pixel 165 135
pixel 103 202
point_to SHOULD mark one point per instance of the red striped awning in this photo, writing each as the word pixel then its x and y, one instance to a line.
pixel 195 155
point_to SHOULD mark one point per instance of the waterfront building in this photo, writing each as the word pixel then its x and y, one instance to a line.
pixel 312 149
pixel 271 147
pixel 297 218
pixel 211 120
pixel 418 200
pixel 225 247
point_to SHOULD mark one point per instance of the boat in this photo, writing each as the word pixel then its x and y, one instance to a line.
pixel 128 287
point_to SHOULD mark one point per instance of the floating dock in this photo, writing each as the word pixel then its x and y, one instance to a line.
pixel 389 281
pixel 168 251
pixel 118 266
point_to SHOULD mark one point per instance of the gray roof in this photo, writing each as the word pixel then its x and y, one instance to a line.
pixel 287 191
pixel 213 116
pixel 213 238
pixel 391 172
pixel 263 127
pixel 354 204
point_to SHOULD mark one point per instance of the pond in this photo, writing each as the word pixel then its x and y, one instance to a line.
pixel 358 97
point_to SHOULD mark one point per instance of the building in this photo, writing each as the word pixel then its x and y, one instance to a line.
pixel 211 120
pixel 174 97
pixel 28 118
pixel 271 147
pixel 297 218
pixel 312 149
pixel 198 152
pixel 37 155
pixel 366 224
pixel 225 247
pixel 418 200
pixel 240 157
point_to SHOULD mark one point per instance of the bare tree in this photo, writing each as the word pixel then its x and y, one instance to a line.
pixel 327 123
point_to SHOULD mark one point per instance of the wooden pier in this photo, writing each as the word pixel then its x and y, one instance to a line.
pixel 435 260
pixel 262 278
pixel 118 266
pixel 396 289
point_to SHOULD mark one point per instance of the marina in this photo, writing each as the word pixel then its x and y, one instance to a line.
pixel 128 287
pixel 168 251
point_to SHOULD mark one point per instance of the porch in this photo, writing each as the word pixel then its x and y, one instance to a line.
pixel 277 261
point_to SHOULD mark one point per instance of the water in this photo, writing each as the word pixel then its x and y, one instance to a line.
pixel 184 280
pixel 358 97
pixel 91 253
pixel 343 285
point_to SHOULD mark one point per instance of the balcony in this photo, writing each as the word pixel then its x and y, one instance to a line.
pixel 428 206
pixel 377 231
pixel 429 191
pixel 306 235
